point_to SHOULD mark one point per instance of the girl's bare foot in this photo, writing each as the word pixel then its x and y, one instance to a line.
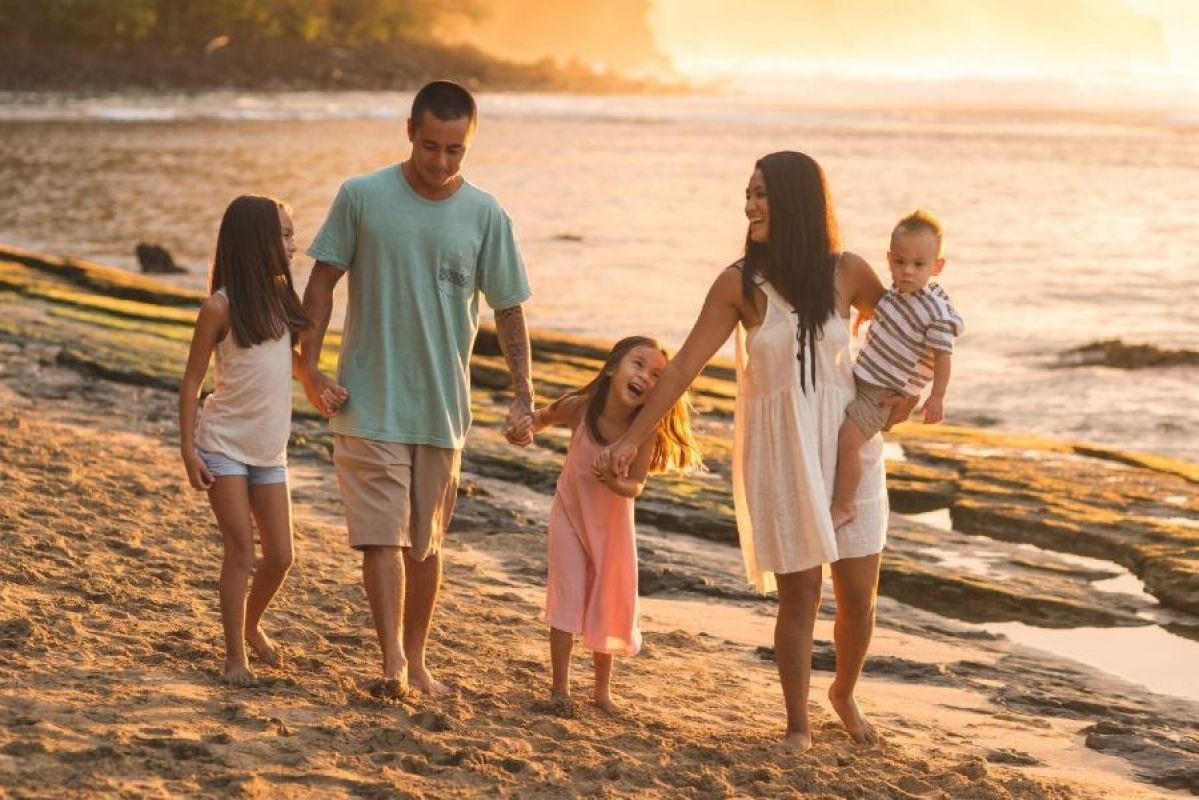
pixel 263 647
pixel 860 729
pixel 604 702
pixel 841 516
pixel 238 675
pixel 425 682
pixel 797 741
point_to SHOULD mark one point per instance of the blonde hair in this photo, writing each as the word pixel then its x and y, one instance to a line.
pixel 921 220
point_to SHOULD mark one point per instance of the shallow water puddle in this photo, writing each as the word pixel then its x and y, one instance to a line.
pixel 1149 655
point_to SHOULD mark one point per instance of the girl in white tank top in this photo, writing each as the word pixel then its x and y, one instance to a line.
pixel 236 446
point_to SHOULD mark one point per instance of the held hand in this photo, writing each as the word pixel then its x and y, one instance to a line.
pixel 325 395
pixel 901 408
pixel 334 396
pixel 518 425
pixel 615 459
pixel 197 471
pixel 934 411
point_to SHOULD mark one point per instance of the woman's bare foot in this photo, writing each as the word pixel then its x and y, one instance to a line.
pixel 238 675
pixel 797 741
pixel 860 729
pixel 263 647
pixel 426 683
pixel 842 515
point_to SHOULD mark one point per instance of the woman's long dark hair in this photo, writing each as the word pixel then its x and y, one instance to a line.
pixel 800 255
pixel 251 266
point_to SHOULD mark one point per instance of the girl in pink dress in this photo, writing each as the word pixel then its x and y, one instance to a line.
pixel 592 584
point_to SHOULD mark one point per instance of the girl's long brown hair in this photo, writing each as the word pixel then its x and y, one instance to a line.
pixel 251 266
pixel 674 443
pixel 800 256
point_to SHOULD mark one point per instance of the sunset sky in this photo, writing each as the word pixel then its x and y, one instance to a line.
pixel 1121 42
pixel 1087 52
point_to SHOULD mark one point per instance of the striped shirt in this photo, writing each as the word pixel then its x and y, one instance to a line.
pixel 906 329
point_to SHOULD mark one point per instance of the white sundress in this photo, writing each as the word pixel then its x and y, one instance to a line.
pixel 785 450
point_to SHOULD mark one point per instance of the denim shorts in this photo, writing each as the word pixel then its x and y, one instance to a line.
pixel 223 467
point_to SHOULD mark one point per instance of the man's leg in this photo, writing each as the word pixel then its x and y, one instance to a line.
pixel 383 578
pixel 420 599
pixel 434 492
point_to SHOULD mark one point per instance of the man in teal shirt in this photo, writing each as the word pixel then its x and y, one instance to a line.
pixel 420 244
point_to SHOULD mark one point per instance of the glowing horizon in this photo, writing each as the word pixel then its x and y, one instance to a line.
pixel 1127 46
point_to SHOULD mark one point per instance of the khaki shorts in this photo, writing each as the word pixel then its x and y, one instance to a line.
pixel 865 410
pixel 396 495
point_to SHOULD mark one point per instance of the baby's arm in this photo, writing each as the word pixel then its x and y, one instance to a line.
pixel 566 410
pixel 633 485
pixel 934 407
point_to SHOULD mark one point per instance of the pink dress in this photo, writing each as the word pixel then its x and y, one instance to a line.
pixel 592 584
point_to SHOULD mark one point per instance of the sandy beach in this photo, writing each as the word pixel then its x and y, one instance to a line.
pixel 110 647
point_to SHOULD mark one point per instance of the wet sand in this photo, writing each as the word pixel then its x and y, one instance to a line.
pixel 110 649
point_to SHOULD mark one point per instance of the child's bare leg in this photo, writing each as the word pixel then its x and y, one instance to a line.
pixel 849 472
pixel 231 506
pixel 271 507
pixel 603 682
pixel 561 646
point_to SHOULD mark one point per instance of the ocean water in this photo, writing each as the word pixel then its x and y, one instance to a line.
pixel 1062 229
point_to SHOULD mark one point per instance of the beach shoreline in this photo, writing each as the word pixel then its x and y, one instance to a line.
pixel 109 636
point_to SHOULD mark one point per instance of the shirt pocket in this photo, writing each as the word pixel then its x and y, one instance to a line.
pixel 456 277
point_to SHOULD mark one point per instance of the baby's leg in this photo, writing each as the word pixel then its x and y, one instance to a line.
pixel 231 506
pixel 561 645
pixel 849 472
pixel 603 682
pixel 271 507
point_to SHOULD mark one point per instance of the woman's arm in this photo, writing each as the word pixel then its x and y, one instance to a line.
pixel 634 484
pixel 212 325
pixel 858 282
pixel 721 311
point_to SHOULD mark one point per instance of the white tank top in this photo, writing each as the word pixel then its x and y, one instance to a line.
pixel 248 415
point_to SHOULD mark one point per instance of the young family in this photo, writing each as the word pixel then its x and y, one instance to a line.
pixel 419 245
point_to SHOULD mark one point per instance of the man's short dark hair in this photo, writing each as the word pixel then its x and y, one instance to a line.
pixel 445 100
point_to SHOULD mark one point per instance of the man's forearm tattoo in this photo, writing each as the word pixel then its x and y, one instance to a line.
pixel 514 342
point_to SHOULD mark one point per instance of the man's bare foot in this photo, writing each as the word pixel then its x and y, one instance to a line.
pixel 390 688
pixel 238 675
pixel 605 703
pixel 426 683
pixel 797 741
pixel 842 515
pixel 263 647
pixel 860 729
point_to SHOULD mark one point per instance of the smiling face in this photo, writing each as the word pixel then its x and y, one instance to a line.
pixel 757 208
pixel 634 376
pixel 438 149
pixel 913 259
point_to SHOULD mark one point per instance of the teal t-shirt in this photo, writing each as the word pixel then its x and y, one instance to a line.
pixel 415 268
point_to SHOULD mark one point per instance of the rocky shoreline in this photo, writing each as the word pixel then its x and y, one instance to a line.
pixel 68 318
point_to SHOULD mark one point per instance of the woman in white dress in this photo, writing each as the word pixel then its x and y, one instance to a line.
pixel 789 300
